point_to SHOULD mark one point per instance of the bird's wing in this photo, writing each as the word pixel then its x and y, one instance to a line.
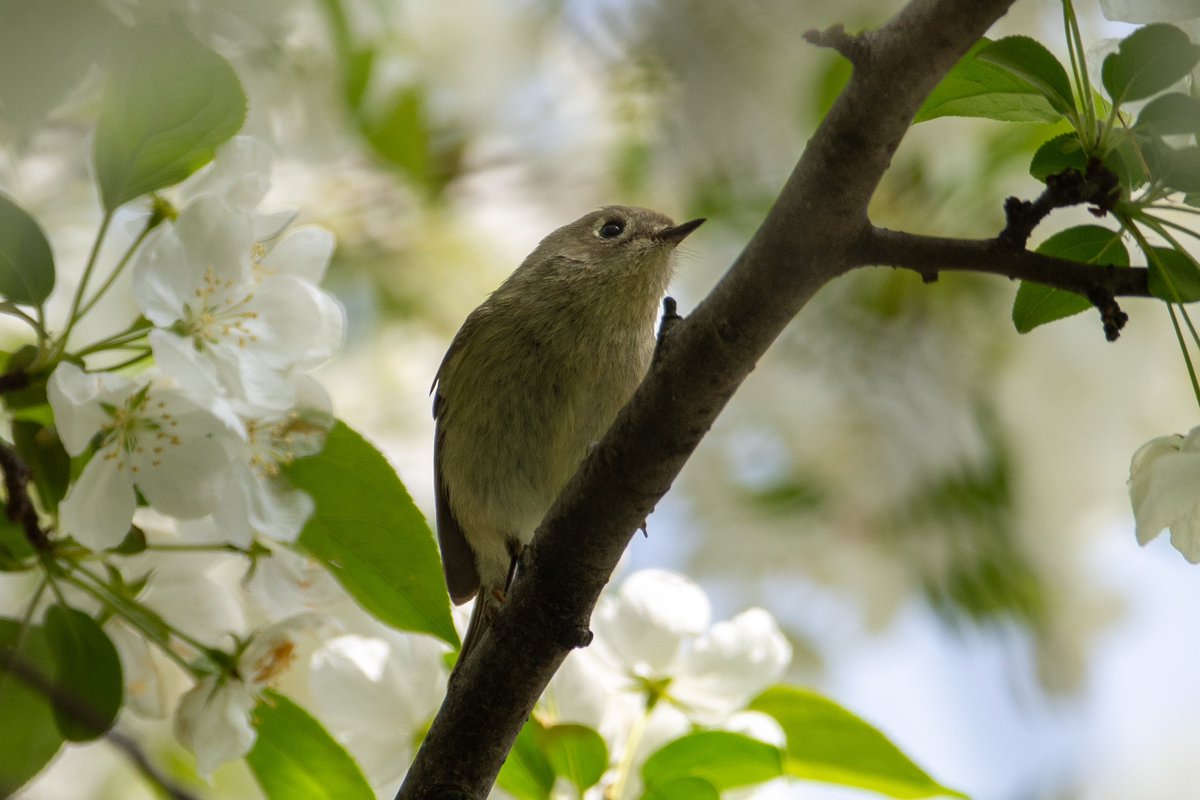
pixel 458 561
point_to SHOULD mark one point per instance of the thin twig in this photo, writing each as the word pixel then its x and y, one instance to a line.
pixel 852 47
pixel 1097 185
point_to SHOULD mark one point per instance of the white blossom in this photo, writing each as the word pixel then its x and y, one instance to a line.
pixel 258 500
pixel 290 582
pixel 365 685
pixel 213 722
pixel 213 719
pixel 657 669
pixel 235 299
pixel 145 694
pixel 235 318
pixel 150 437
pixel 1164 487
pixel 654 638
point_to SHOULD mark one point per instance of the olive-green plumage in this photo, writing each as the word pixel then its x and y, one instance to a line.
pixel 534 376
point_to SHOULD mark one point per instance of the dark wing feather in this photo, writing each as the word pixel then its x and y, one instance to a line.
pixel 458 561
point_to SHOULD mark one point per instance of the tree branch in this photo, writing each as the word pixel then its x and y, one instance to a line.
pixel 809 237
pixel 836 38
pixel 19 506
pixel 1097 186
pixel 929 255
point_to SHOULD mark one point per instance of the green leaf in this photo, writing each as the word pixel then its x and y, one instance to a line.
pixel 825 742
pixel 1174 276
pixel 683 789
pixel 576 752
pixel 168 104
pixel 1088 244
pixel 295 758
pixel 41 449
pixel 976 88
pixel 1127 160
pixel 1180 169
pixel 527 773
pixel 400 135
pixel 1169 114
pixel 371 537
pixel 29 737
pixel 1029 60
pixel 47 49
pixel 726 760
pixel 1061 153
pixel 1147 61
pixel 26 263
pixel 15 550
pixel 87 672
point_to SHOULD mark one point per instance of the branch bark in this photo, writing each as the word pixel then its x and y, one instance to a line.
pixel 929 255
pixel 814 233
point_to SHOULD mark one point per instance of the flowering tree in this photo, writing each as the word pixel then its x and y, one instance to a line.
pixel 194 426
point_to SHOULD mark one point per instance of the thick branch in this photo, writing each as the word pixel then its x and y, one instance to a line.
pixel 808 239
pixel 19 507
pixel 930 255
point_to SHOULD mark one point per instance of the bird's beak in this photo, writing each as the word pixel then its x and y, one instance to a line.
pixel 678 233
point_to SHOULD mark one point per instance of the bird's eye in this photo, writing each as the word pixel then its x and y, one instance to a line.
pixel 611 229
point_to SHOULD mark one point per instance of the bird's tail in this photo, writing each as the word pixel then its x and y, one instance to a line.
pixel 476 628
pixel 487 605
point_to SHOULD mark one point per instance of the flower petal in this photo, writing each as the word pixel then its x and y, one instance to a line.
pixel 1185 536
pixel 240 172
pixel 144 690
pixel 218 241
pixel 159 281
pixel 76 396
pixel 214 722
pixel 304 253
pixel 99 506
pixel 730 663
pixel 182 474
pixel 645 625
pixel 1165 491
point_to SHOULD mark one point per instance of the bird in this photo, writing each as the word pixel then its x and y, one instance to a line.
pixel 533 378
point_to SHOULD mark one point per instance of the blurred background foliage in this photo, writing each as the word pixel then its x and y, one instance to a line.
pixel 933 506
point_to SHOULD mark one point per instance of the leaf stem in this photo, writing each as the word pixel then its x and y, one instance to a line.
pixel 131 334
pixel 143 354
pixel 1152 257
pixel 625 764
pixel 1186 356
pixel 151 223
pixel 93 257
pixel 1170 207
pixel 1181 228
pixel 1083 85
pixel 1188 321
pixel 12 310
pixel 122 606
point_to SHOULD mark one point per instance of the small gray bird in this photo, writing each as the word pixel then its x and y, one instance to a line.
pixel 535 375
